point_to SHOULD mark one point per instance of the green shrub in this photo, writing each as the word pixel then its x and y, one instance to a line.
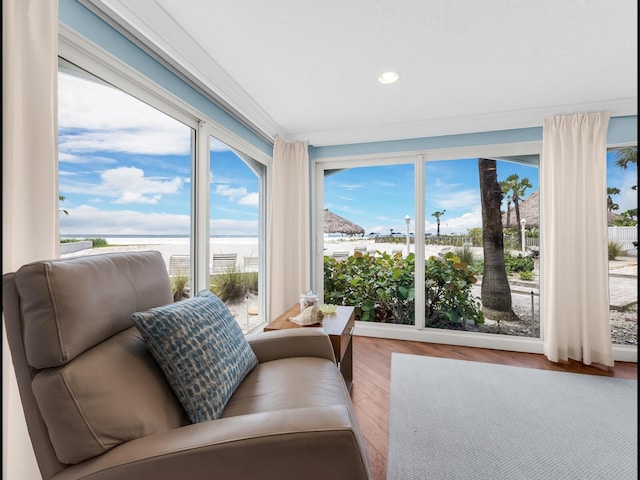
pixel 476 236
pixel 526 275
pixel 517 263
pixel 98 242
pixel 381 288
pixel 234 285
pixel 465 254
pixel 615 249
pixel 179 287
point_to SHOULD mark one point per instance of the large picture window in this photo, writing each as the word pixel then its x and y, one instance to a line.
pixel 477 232
pixel 130 178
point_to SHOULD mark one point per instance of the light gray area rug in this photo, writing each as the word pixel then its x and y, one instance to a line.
pixel 456 419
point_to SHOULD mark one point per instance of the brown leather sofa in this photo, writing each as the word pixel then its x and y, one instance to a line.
pixel 98 406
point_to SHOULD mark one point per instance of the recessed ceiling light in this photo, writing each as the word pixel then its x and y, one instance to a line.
pixel 388 77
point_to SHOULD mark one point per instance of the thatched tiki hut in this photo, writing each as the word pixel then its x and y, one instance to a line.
pixel 336 224
pixel 530 211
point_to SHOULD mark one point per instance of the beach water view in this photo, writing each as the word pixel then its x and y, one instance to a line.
pixel 168 246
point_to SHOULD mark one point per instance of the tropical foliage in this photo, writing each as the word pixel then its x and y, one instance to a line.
pixel 234 285
pixel 381 288
pixel 515 189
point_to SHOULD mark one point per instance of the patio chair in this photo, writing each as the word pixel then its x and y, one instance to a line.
pixel 340 254
pixel 223 263
pixel 250 264
pixel 179 266
pixel 360 248
pixel 372 250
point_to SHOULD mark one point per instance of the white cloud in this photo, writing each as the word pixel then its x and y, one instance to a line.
pixel 131 186
pixel 216 145
pixel 125 184
pixel 239 194
pixel 462 199
pixel 251 200
pixel 86 219
pixel 350 186
pixel 106 119
pixel 459 225
pixel 232 193
pixel 67 157
pixel 140 140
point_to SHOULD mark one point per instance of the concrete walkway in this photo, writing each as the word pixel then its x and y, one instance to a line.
pixel 623 282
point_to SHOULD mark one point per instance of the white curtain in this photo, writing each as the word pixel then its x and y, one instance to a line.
pixel 289 237
pixel 29 182
pixel 574 226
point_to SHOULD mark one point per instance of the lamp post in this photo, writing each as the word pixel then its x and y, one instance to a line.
pixel 407 220
pixel 523 222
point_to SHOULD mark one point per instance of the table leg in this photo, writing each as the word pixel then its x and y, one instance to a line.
pixel 346 364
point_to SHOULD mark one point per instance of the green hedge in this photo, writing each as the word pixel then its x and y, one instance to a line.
pixel 381 288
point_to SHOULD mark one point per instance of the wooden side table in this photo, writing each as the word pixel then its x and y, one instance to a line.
pixel 339 326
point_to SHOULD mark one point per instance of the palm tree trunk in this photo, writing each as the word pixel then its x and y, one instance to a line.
pixel 516 205
pixel 495 291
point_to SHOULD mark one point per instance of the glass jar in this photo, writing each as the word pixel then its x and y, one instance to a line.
pixel 308 299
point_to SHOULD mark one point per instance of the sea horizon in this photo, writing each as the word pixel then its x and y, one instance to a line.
pixel 82 236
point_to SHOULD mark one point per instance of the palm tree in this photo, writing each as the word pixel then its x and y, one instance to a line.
pixel 61 198
pixel 627 155
pixel 495 291
pixel 611 205
pixel 508 223
pixel 517 188
pixel 438 215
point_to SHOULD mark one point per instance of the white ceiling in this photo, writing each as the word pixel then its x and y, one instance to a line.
pixel 308 69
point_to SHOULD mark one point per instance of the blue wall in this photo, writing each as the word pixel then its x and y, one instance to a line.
pixel 622 130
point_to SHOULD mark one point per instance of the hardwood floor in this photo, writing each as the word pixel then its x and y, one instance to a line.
pixel 371 381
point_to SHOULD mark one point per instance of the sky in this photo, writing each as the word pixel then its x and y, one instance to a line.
pixel 124 169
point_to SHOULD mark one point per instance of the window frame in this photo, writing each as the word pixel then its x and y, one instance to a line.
pixel 418 158
pixel 77 50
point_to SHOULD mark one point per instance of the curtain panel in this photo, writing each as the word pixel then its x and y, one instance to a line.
pixel 574 228
pixel 29 182
pixel 288 262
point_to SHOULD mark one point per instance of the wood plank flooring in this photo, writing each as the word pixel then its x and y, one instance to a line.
pixel 371 381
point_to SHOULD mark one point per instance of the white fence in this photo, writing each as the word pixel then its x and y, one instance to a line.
pixel 625 236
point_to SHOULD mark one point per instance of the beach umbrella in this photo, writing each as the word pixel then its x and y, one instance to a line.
pixel 336 224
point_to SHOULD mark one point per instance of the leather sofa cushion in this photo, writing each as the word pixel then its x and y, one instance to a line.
pixel 111 394
pixel 286 383
pixel 70 305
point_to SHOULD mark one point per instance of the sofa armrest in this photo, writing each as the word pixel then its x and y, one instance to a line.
pixel 283 444
pixel 294 342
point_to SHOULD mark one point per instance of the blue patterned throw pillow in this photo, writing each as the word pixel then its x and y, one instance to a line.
pixel 201 350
